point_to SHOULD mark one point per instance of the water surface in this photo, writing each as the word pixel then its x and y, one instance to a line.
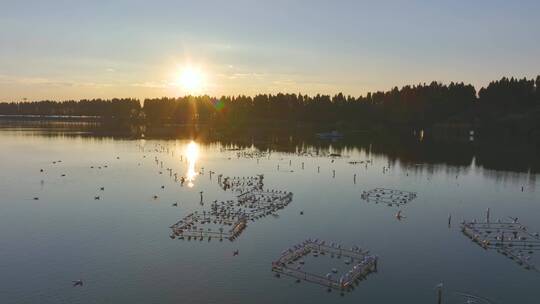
pixel 120 246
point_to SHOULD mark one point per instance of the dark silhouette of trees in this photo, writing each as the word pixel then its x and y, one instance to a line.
pixel 506 103
pixel 121 109
pixel 511 94
pixel 510 107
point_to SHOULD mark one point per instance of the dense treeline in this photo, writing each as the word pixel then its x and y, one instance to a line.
pixel 506 103
pixel 115 108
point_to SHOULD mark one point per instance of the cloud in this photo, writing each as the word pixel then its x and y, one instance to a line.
pixel 152 85
pixel 40 81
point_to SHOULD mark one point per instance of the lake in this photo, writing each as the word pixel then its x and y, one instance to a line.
pixel 53 230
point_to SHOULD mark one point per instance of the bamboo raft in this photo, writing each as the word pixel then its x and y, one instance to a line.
pixel 391 197
pixel 510 239
pixel 362 264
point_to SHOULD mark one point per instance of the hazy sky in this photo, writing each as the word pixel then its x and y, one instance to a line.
pixel 88 49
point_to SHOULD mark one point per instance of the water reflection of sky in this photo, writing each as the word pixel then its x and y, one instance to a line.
pixel 114 242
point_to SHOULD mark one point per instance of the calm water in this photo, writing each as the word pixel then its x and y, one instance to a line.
pixel 120 246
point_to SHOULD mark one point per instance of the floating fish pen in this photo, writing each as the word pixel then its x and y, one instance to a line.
pixel 469 298
pixel 242 184
pixel 230 149
pixel 316 154
pixel 252 154
pixel 265 197
pixel 391 197
pixel 359 162
pixel 227 219
pixel 510 239
pixel 199 226
pixel 260 203
pixel 252 205
pixel 359 264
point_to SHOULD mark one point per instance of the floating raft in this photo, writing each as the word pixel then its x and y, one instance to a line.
pixel 391 197
pixel 362 264
pixel 510 239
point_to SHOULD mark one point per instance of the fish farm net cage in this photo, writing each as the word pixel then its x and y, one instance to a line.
pixel 510 239
pixel 391 197
pixel 292 261
pixel 200 226
pixel 241 184
pixel 259 203
pixel 252 154
pixel 228 219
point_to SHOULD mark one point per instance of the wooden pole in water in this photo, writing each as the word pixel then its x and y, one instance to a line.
pixel 439 294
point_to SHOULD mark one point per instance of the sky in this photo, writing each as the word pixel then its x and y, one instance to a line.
pixel 73 49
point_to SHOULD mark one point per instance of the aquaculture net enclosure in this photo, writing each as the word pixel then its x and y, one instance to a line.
pixel 241 184
pixel 391 197
pixel 511 239
pixel 228 219
pixel 259 203
pixel 206 225
pixel 327 264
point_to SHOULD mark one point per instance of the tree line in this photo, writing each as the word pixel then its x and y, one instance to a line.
pixel 505 101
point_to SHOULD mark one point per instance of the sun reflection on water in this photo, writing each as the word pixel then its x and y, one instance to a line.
pixel 192 154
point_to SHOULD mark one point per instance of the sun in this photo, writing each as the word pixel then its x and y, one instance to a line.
pixel 191 79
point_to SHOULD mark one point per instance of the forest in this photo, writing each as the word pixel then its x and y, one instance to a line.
pixel 508 105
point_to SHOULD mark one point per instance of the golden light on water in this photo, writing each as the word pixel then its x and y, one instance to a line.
pixel 192 154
